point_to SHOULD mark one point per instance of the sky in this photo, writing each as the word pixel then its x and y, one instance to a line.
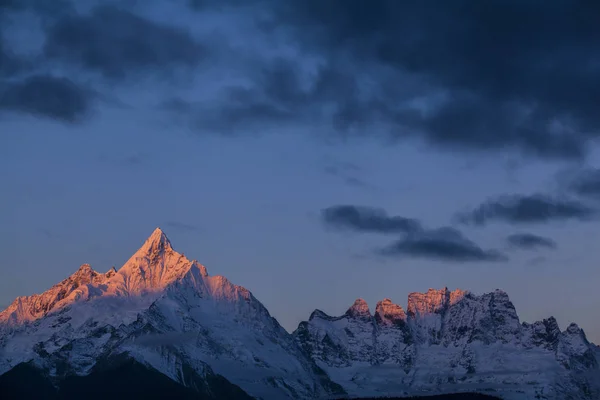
pixel 313 152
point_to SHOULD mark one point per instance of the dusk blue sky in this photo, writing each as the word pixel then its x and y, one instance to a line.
pixel 276 143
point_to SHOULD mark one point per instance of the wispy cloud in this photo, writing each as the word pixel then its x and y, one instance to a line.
pixel 445 243
pixel 367 219
pixel 530 241
pixel 349 173
pixel 182 226
pixel 524 209
pixel 47 96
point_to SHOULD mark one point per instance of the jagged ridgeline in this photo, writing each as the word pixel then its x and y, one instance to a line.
pixel 162 324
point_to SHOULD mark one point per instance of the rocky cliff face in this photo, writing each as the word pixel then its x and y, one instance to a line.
pixel 451 341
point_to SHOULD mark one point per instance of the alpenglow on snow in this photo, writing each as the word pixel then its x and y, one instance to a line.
pixel 166 314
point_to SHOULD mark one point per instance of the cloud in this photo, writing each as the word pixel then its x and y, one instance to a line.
pixel 480 86
pixel 525 209
pixel 118 43
pixel 585 183
pixel 454 76
pixel 445 244
pixel 10 64
pixel 349 173
pixel 182 226
pixel 47 96
pixel 529 241
pixel 367 219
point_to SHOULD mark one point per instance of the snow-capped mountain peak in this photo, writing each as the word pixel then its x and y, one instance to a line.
pixel 388 313
pixel 434 301
pixel 452 339
pixel 166 312
pixel 151 269
pixel 155 265
pixel 360 309
pixel 157 241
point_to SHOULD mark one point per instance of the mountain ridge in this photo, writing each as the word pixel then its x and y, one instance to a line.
pixel 168 314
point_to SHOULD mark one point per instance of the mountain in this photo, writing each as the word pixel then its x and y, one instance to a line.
pixel 161 326
pixel 451 341
pixel 165 313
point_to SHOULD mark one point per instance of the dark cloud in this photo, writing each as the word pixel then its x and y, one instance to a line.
pixel 585 183
pixel 511 71
pixel 445 244
pixel 279 96
pixel 522 209
pixel 10 64
pixel 117 43
pixel 42 7
pixel 182 226
pixel 349 173
pixel 483 76
pixel 367 219
pixel 9 4
pixel 47 96
pixel 530 241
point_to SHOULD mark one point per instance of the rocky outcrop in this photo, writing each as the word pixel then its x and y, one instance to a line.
pixel 452 339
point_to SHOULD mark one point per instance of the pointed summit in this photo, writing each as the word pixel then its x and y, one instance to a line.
pixel 155 265
pixel 85 274
pixel 157 242
pixel 360 308
pixel 388 313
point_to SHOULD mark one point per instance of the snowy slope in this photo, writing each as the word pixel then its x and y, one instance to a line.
pixel 166 312
pixel 450 342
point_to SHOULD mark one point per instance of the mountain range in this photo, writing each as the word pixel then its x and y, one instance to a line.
pixel 162 326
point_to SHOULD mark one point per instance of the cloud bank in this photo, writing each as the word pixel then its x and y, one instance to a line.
pixel 493 77
pixel 446 243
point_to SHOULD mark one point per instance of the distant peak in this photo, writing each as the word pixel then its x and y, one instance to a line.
pixel 85 269
pixel 360 308
pixel 158 234
pixel 360 303
pixel 388 313
pixel 434 301
pixel 318 314
pixel 156 242
pixel 85 274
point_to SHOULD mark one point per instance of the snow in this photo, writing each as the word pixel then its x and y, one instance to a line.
pixel 167 312
pixel 452 342
pixel 163 310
